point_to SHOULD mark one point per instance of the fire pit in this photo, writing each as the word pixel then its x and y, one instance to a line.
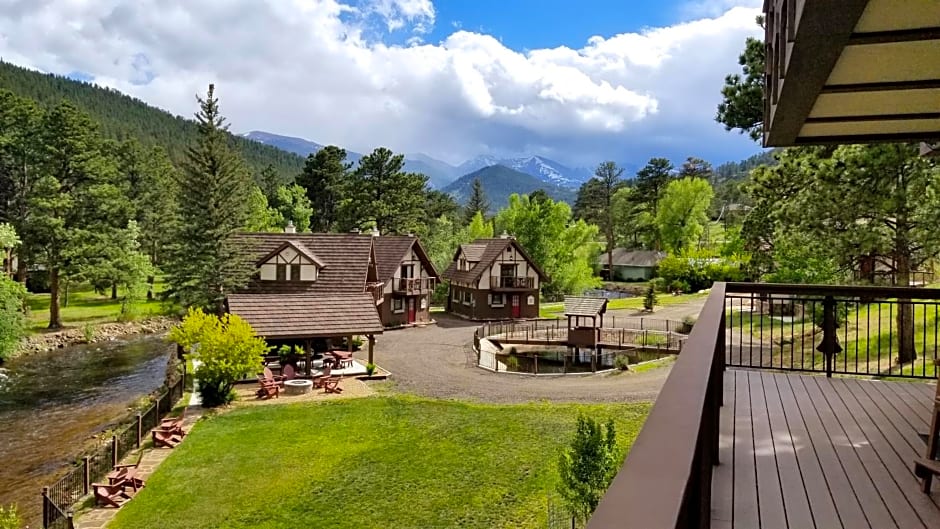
pixel 297 386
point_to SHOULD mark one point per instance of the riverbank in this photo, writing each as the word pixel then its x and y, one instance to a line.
pixel 91 333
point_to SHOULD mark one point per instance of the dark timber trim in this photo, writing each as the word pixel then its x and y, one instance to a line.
pixel 878 117
pixel 867 138
pixel 899 35
pixel 923 84
pixel 825 27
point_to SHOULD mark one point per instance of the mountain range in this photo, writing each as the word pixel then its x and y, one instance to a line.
pixel 441 174
pixel 499 182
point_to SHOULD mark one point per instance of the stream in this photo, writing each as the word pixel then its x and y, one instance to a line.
pixel 53 403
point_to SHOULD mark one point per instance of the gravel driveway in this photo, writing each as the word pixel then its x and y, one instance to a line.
pixel 438 361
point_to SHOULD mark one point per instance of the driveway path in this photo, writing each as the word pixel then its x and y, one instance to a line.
pixel 438 361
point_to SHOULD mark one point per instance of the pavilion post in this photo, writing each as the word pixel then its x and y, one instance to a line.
pixel 371 347
pixel 309 357
pixel 349 344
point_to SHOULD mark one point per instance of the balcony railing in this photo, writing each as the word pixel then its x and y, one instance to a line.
pixel 666 480
pixel 501 282
pixel 377 291
pixel 413 285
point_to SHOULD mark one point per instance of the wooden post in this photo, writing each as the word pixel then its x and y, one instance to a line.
pixel 349 344
pixel 536 363
pixel 308 357
pixel 114 449
pixel 371 347
pixel 140 432
pixel 86 474
pixel 45 506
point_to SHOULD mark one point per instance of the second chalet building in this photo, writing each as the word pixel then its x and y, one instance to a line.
pixel 493 279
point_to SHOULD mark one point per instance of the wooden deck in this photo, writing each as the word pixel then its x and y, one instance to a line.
pixel 801 451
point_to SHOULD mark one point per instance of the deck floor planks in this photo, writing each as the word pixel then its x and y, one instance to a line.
pixel 769 493
pixel 895 503
pixel 842 450
pixel 793 489
pixel 893 450
pixel 746 506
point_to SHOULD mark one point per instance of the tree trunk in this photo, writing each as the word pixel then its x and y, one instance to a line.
pixel 21 271
pixel 113 290
pixel 907 351
pixel 55 319
pixel 150 280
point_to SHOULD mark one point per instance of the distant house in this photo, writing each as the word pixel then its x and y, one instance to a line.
pixel 630 265
pixel 493 279
pixel 409 279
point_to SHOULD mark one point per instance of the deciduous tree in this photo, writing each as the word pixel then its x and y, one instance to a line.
pixel 12 315
pixel 683 212
pixel 588 466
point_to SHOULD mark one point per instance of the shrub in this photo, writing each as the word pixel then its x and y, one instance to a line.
pixel 622 362
pixel 12 315
pixel 88 332
pixel 9 519
pixel 226 349
pixel 588 466
pixel 370 369
pixel 693 272
pixel 659 284
pixel 649 301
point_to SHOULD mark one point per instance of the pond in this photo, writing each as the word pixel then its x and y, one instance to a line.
pixel 53 403
pixel 552 360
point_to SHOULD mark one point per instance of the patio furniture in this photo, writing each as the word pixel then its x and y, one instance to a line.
pixel 342 359
pixel 126 474
pixel 297 386
pixel 331 385
pixel 289 373
pixel 174 424
pixel 320 379
pixel 107 494
pixel 928 466
pixel 268 375
pixel 165 438
pixel 268 389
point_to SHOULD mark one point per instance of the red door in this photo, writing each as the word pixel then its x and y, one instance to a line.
pixel 516 307
pixel 411 310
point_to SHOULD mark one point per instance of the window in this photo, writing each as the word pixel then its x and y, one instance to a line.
pixel 407 271
pixel 424 303
pixel 455 295
pixel 295 272
pixel 462 265
pixel 281 272
pixel 467 298
pixel 497 300
pixel 530 300
pixel 398 305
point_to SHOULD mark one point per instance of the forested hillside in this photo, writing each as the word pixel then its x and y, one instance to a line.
pixel 499 182
pixel 121 117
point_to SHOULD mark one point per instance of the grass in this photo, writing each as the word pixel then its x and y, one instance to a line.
pixel 555 310
pixel 390 462
pixel 86 307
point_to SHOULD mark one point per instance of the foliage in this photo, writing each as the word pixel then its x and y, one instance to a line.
pixel 595 203
pixel 479 228
pixel 742 105
pixel 224 350
pixel 650 183
pixel 682 213
pixel 588 466
pixel 694 271
pixel 380 192
pixel 322 177
pixel 12 315
pixel 649 299
pixel 622 362
pixel 800 258
pixel 370 369
pixel 292 205
pixel 499 182
pixel 88 332
pixel 205 264
pixel 427 457
pixel 9 519
pixel 476 202
pixel 694 167
pixel 564 249
pixel 122 116
pixel 8 237
pixel 261 217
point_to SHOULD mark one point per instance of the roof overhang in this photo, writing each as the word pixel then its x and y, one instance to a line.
pixel 851 71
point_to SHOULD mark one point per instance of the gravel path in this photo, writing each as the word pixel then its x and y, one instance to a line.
pixel 438 361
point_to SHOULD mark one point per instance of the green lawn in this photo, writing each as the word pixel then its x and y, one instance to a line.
pixel 86 307
pixel 554 310
pixel 389 462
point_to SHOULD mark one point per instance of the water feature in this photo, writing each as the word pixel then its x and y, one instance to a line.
pixel 609 294
pixel 53 403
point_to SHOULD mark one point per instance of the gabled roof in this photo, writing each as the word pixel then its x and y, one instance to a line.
pixel 490 250
pixel 390 250
pixel 296 245
pixel 473 252
pixel 282 316
pixel 624 257
pixel 583 306
pixel 345 259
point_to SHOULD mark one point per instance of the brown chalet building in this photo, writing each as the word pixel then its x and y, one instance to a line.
pixel 408 278
pixel 493 279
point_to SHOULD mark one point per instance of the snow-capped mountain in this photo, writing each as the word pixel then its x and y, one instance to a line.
pixel 544 169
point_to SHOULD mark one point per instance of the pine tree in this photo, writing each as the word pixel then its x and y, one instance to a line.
pixel 595 203
pixel 323 177
pixel 382 193
pixel 214 185
pixel 268 181
pixel 477 202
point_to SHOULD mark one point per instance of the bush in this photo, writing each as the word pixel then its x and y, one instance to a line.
pixel 649 301
pixel 588 466
pixel 622 362
pixel 12 315
pixel 370 369
pixel 9 519
pixel 692 273
pixel 659 284
pixel 226 349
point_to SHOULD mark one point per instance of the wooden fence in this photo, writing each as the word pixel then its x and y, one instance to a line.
pixel 59 498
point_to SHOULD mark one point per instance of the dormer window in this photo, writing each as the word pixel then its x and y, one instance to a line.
pixel 290 262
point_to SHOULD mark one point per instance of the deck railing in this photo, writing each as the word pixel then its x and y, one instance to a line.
pixel 413 285
pixel 665 482
pixel 497 282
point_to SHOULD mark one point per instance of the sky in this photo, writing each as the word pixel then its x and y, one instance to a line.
pixel 579 82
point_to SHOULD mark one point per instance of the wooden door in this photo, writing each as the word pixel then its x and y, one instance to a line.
pixel 516 307
pixel 411 310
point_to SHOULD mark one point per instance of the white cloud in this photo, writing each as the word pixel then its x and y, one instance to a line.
pixel 317 69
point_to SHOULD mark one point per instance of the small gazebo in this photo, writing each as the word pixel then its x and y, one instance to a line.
pixel 585 319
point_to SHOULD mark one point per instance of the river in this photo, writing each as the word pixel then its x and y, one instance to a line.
pixel 53 403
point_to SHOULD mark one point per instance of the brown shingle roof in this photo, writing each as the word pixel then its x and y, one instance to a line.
pixel 307 315
pixel 491 250
pixel 345 259
pixel 473 252
pixel 391 249
pixel 624 257
pixel 581 306
pixel 297 245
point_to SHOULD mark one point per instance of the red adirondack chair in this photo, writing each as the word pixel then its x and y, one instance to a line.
pixel 108 495
pixel 126 475
pixel 331 385
pixel 165 438
pixel 267 389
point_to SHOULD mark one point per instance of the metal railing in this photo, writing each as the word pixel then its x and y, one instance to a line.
pixel 59 498
pixel 849 330
pixel 511 282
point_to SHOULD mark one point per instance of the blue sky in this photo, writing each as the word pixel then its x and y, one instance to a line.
pixel 450 78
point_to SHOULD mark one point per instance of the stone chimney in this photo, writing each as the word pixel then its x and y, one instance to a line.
pixel 505 235
pixel 290 228
pixel 354 230
pixel 375 232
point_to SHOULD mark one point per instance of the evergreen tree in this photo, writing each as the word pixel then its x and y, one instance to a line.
pixel 323 178
pixel 742 106
pixel 476 202
pixel 696 168
pixel 269 182
pixel 382 193
pixel 20 151
pixel 651 180
pixel 596 200
pixel 205 265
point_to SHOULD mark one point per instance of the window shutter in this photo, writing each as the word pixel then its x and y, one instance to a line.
pixel 489 299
